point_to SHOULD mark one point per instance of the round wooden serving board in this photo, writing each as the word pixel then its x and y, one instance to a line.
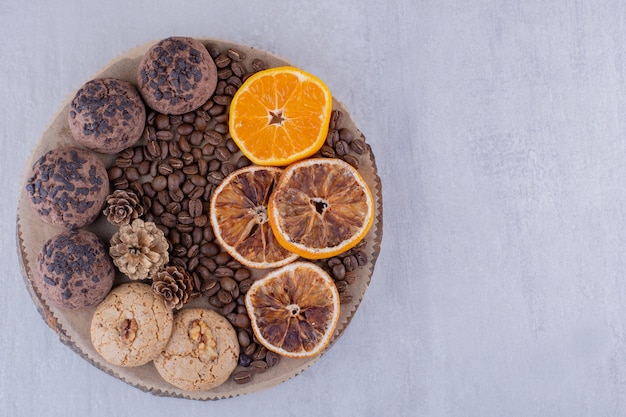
pixel 72 327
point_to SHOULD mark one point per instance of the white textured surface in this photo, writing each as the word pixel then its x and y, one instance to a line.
pixel 499 132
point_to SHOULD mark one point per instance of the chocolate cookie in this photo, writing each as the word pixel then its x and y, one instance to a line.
pixel 131 326
pixel 202 352
pixel 68 187
pixel 107 115
pixel 177 75
pixel 74 270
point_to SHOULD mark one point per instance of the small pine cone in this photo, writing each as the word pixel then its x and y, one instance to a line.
pixel 122 207
pixel 174 284
pixel 139 249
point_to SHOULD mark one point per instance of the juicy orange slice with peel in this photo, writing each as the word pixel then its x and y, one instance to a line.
pixel 239 218
pixel 280 115
pixel 320 208
pixel 294 310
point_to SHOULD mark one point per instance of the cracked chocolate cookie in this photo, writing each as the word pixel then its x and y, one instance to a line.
pixel 131 326
pixel 68 187
pixel 107 115
pixel 202 351
pixel 74 270
pixel 177 75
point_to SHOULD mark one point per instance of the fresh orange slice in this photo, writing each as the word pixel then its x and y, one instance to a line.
pixel 294 310
pixel 239 218
pixel 320 208
pixel 280 115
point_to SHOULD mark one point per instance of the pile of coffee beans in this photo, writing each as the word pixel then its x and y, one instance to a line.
pixel 174 171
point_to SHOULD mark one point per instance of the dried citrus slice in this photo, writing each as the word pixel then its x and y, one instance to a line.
pixel 294 309
pixel 239 218
pixel 280 115
pixel 320 208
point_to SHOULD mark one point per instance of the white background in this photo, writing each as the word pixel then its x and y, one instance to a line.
pixel 499 132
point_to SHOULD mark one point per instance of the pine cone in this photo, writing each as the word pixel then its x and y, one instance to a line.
pixel 174 284
pixel 122 207
pixel 139 249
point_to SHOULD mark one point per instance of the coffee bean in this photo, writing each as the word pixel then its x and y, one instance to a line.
pixel 162 122
pixel 238 70
pixel 226 282
pixel 136 187
pixel 173 182
pixel 214 165
pixel 242 274
pixel 209 249
pixel 185 240
pixel 251 348
pixel 221 128
pixel 157 208
pixel 184 218
pixel 123 162
pixel 168 219
pixel 144 168
pixel 159 183
pixel 184 129
pixel 339 271
pixel 238 320
pixel 242 377
pixel 345 298
pixel 213 137
pixel 127 153
pixel 336 118
pixel 195 208
pixel 224 271
pixel 358 146
pixel 271 358
pixel 244 360
pixel 258 65
pixel 153 149
pixel 192 264
pixel 242 162
pixel 332 138
pixel 201 220
pixel 215 177
pixel 215 302
pixel 350 262
pixel 177 250
pixel 224 100
pixel 233 84
pixel 174 150
pixel 327 152
pixel 200 123
pixel 341 148
pixel 164 197
pixel 222 153
pixel 229 308
pixel 235 54
pixel 342 286
pixel 198 180
pixel 177 195
pixel 115 172
pixel 189 117
pixel 193 251
pixel 216 109
pixel 184 144
pixel 165 168
pixel 165 135
pixel 245 285
pixel 209 263
pixel 149 133
pixel 224 73
pixel 203 166
pixel 224 296
pixel 190 170
pixel 176 119
pixel 227 168
pixel 222 61
pixel 352 160
pixel 350 277
pixel 259 353
pixel 137 155
pixel 361 257
pixel 187 187
pixel 213 49
pixel 148 190
pixel 244 338
pixel 346 135
pixel 258 367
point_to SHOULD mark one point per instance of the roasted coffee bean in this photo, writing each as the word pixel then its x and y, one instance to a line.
pixel 258 367
pixel 341 286
pixel 168 219
pixel 184 144
pixel 233 84
pixel 195 138
pixel 203 167
pixel 241 274
pixel 244 338
pixel 259 353
pixel 227 168
pixel 222 153
pixel 195 208
pixel 178 250
pixel 336 117
pixel 186 240
pixel 165 168
pixel 327 152
pixel 235 54
pixel 123 162
pixel 222 61
pixel 345 298
pixel 350 262
pixel 197 235
pixel 242 377
pixel 153 149
pixel 164 135
pixel 184 129
pixel 184 218
pixel 226 282
pixel 208 234
pixel 209 249
pixel 361 257
pixel 341 148
pixel 173 182
pixel 146 203
pixel 149 133
pixel 177 195
pixel 205 274
pixel 143 168
pixel 214 165
pixel 258 65
pixel 216 109
pixel 201 220
pixel 245 285
pixel 137 155
pixel 189 117
pixel 224 271
pixel 228 308
pixel 339 271
pixel 271 358
pixel 120 184
pixel 332 138
pixel 176 119
pixel 221 128
pixel 127 153
pixel 115 172
pixel 190 169
pixel 358 146
pixel 162 122
pixel 238 320
pixel 346 135
pixel 192 264
pixel 350 277
pixel 222 258
pixel 209 263
pixel 199 123
pixel 244 360
pixel 198 180
pixel 238 69
pixel 215 302
pixel 188 158
pixel 215 177
pixel 193 251
pixel 251 348
pixel 352 160
pixel 157 208
pixel 213 49
pixel 174 150
pixel 224 73
pixel 241 309
pixel 175 237
pixel 224 296
pixel 159 183
pixel 136 188
pixel 243 161
pixel 164 197
pixel 224 100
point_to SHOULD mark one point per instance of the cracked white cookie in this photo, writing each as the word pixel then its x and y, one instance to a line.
pixel 202 351
pixel 131 326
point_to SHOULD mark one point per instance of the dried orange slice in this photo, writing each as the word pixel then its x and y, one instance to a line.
pixel 294 309
pixel 320 208
pixel 280 115
pixel 239 218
